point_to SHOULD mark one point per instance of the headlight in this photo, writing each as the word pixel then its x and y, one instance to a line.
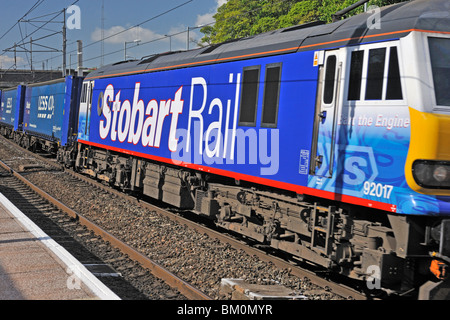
pixel 432 174
pixel 440 173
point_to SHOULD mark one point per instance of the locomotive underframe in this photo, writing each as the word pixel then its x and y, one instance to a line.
pixel 377 247
pixel 35 143
pixel 7 131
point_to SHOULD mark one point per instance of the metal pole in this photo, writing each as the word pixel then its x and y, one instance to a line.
pixel 80 58
pixel 64 45
pixel 187 40
pixel 103 34
pixel 31 54
pixel 338 15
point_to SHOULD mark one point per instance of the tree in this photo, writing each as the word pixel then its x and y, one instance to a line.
pixel 301 12
pixel 242 18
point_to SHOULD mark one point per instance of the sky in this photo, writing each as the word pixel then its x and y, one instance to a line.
pixel 147 27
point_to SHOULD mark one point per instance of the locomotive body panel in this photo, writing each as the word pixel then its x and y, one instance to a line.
pixel 206 102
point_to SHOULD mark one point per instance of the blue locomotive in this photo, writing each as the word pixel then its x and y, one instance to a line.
pixel 330 142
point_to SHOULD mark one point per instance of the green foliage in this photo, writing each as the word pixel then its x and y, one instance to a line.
pixel 301 12
pixel 241 18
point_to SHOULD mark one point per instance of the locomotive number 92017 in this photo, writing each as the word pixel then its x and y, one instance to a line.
pixel 377 189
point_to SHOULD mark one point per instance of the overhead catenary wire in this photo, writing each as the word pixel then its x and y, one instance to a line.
pixel 120 32
pixel 37 4
pixel 23 40
pixel 173 34
pixel 102 55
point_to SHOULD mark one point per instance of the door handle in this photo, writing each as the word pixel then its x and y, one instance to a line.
pixel 323 116
pixel 319 160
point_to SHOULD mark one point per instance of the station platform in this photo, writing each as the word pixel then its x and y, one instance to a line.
pixel 34 267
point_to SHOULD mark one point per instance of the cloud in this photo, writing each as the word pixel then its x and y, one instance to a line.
pixel 120 34
pixel 7 62
pixel 179 34
pixel 221 2
pixel 207 18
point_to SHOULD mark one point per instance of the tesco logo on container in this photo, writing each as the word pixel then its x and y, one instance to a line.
pixel 47 105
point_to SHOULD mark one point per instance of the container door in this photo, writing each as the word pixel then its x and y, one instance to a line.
pixel 327 105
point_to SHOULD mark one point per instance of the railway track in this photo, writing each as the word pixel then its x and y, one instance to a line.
pixel 74 237
pixel 103 254
pixel 197 254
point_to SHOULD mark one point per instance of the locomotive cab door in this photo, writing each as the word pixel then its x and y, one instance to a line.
pixel 90 90
pixel 85 109
pixel 325 122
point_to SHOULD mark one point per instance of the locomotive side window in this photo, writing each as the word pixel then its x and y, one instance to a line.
pixel 394 87
pixel 440 66
pixel 375 71
pixel 91 90
pixel 330 73
pixel 356 68
pixel 271 96
pixel 382 80
pixel 249 96
pixel 83 93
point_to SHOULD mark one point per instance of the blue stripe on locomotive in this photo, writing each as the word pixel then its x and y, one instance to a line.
pixel 48 109
pixel 11 110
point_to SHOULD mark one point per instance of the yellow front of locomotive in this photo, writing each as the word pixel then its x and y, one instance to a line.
pixel 427 168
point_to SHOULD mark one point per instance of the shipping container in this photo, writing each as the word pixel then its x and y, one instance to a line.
pixel 11 110
pixel 51 109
